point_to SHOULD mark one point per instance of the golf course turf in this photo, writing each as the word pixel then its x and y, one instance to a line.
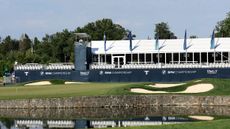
pixel 19 91
pixel 216 124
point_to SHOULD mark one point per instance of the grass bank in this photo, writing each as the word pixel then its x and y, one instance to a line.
pixel 222 87
pixel 216 124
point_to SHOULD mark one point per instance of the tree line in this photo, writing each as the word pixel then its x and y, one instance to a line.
pixel 59 47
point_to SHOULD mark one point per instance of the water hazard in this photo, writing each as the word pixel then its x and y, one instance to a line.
pixel 106 117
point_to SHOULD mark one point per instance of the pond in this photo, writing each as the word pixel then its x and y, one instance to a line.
pixel 106 117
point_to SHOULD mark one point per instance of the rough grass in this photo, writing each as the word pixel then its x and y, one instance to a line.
pixel 217 124
pixel 221 87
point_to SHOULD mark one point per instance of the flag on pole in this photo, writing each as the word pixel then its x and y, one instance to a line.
pixel 104 42
pixel 157 43
pixel 213 40
pixel 185 40
pixel 130 41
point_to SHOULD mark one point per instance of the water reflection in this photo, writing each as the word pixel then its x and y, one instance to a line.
pixel 103 117
pixel 92 123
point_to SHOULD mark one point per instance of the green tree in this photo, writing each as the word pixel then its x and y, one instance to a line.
pixel 96 30
pixel 24 43
pixel 36 43
pixel 162 31
pixel 223 27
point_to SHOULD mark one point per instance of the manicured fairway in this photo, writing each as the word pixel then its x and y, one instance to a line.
pixel 217 124
pixel 88 89
pixel 221 87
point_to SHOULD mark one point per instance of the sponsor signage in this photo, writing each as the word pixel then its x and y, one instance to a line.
pixel 84 73
pixel 146 72
pixel 42 73
pixel 114 72
pixel 26 73
pixel 164 72
pixel 212 71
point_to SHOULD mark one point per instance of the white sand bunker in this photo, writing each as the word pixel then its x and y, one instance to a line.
pixel 74 82
pixel 140 90
pixel 202 117
pixel 198 88
pixel 42 83
pixel 159 85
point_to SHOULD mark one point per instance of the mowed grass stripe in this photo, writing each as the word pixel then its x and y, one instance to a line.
pixel 222 87
pixel 216 124
pixel 89 89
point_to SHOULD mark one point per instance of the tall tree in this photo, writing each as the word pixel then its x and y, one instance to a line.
pixel 25 43
pixel 223 27
pixel 162 31
pixel 96 30
pixel 36 44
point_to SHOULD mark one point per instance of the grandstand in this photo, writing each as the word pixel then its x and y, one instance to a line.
pixel 165 60
pixel 168 54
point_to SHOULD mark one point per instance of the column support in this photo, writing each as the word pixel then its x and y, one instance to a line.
pixel 179 58
pixel 111 58
pixel 138 58
pixel 193 61
pixel 99 59
pixel 214 56
pixel 158 57
pixel 228 57
pixel 222 57
pixel 151 58
pixel 200 57
pixel 165 58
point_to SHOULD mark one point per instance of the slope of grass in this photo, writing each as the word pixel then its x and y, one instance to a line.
pixel 222 87
pixel 87 89
pixel 217 124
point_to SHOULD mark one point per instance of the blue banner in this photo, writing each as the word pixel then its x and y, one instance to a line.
pixel 104 42
pixel 185 40
pixel 157 43
pixel 130 41
pixel 213 40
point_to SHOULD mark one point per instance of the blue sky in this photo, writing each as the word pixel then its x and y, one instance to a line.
pixel 40 17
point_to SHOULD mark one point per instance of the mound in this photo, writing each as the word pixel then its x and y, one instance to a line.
pixel 42 83
pixel 159 85
pixel 202 117
pixel 198 88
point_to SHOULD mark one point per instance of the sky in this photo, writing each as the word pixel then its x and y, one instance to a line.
pixel 40 17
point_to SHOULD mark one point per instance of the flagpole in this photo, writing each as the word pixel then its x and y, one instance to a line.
pixel 158 49
pixel 131 46
pixel 185 46
pixel 213 45
pixel 105 46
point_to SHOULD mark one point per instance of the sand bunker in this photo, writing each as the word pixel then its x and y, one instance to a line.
pixel 198 88
pixel 158 85
pixel 42 83
pixel 74 82
pixel 202 117
pixel 140 90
